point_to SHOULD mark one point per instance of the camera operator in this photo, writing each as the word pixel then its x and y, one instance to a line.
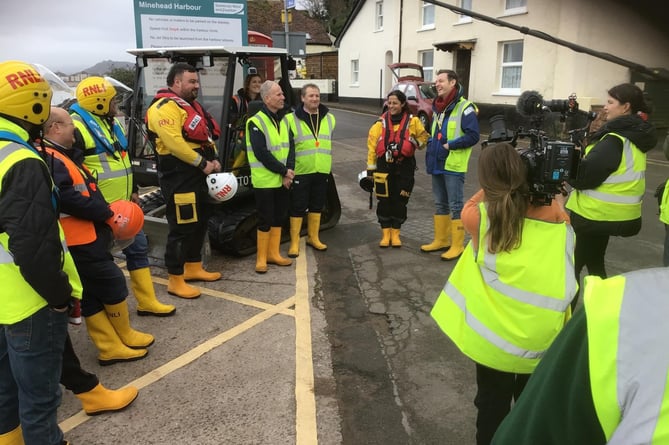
pixel 611 179
pixel 514 279
pixel 391 144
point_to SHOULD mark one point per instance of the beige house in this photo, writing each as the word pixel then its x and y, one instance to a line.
pixel 497 63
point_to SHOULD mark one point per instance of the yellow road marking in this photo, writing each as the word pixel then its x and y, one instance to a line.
pixel 305 399
pixel 305 412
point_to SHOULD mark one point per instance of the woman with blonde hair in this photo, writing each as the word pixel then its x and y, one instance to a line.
pixel 508 296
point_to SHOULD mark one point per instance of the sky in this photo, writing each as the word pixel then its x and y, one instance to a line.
pixel 67 35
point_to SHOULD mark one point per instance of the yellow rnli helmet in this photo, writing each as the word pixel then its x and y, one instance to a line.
pixel 24 94
pixel 95 95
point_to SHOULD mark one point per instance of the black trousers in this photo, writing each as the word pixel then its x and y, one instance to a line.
pixel 392 211
pixel 73 376
pixel 272 206
pixel 496 390
pixel 308 192
pixel 187 209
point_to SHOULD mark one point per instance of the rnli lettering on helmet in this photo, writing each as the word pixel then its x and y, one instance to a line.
pixel 94 89
pixel 23 78
pixel 223 191
pixel 193 124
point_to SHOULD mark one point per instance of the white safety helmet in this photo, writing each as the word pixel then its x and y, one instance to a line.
pixel 222 186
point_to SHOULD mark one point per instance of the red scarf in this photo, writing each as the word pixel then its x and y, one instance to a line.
pixel 441 102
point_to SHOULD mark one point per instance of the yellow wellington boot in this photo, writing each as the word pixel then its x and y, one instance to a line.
pixel 195 272
pixel 14 437
pixel 261 255
pixel 442 234
pixel 295 229
pixel 273 253
pixel 457 241
pixel 147 303
pixel 176 285
pixel 395 238
pixel 385 241
pixel 313 226
pixel 120 319
pixel 109 345
pixel 102 400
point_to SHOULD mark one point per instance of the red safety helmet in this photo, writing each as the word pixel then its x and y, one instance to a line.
pixel 127 221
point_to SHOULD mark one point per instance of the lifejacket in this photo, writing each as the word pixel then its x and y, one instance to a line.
pixel 619 197
pixel 504 310
pixel 78 231
pixel 18 299
pixel 626 319
pixel 199 125
pixel 401 137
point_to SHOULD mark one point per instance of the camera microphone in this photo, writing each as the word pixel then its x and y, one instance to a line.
pixel 529 103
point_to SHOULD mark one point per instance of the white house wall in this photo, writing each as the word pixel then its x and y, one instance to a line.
pixel 553 70
pixel 370 48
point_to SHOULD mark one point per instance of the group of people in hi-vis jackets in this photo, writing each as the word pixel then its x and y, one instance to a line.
pixel 547 371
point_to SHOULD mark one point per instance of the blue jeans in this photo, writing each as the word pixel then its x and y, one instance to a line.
pixel 136 254
pixel 448 191
pixel 31 354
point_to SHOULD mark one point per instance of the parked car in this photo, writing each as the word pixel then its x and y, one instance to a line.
pixel 410 79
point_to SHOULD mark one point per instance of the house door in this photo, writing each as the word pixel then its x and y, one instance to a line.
pixel 463 65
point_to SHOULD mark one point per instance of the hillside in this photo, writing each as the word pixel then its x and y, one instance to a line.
pixel 106 66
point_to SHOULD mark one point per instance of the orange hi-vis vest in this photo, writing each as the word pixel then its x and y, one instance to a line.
pixel 77 231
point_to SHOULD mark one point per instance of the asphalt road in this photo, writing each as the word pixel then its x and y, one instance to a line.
pixel 337 349
pixel 399 379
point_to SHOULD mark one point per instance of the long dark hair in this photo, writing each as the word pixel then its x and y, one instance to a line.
pixel 503 177
pixel 247 83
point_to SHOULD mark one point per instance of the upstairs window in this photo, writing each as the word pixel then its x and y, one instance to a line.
pixel 428 15
pixel 378 23
pixel 512 66
pixel 465 4
pixel 515 7
pixel 355 71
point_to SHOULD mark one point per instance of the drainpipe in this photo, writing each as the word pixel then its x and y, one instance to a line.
pixel 399 50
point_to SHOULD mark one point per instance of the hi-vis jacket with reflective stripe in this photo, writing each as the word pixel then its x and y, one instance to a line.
pixel 664 204
pixel 458 159
pixel 105 154
pixel 77 231
pixel 276 140
pixel 628 360
pixel 18 299
pixel 312 155
pixel 619 197
pixel 504 310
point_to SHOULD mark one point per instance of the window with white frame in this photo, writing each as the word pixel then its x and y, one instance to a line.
pixel 427 61
pixel 512 65
pixel 428 15
pixel 515 6
pixel 465 4
pixel 378 23
pixel 355 71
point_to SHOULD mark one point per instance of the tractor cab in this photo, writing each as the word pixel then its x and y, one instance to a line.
pixel 222 71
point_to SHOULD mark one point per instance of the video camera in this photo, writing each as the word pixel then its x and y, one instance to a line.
pixel 549 162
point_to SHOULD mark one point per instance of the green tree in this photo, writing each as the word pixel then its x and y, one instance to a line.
pixel 124 75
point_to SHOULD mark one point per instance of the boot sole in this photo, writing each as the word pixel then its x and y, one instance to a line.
pixel 156 314
pixel 111 361
pixel 293 255
pixel 141 347
pixel 202 279
pixel 435 250
pixel 317 248
pixel 185 298
pixel 112 410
